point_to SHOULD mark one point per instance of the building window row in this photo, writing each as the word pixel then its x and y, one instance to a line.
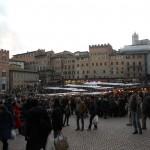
pixel 85 72
pixel 69 61
pixel 3 74
pixel 82 65
pixel 69 72
pixel 133 57
pixel 101 64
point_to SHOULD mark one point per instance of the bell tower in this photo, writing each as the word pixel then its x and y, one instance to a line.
pixel 135 39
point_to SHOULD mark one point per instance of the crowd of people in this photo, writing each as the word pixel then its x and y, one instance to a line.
pixel 36 116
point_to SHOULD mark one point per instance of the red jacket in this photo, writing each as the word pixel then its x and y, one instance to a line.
pixel 17 116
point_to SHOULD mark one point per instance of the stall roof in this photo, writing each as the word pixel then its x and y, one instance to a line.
pixel 68 89
pixel 96 87
pixel 96 93
pixel 83 86
pixel 59 94
pixel 110 83
pixel 75 93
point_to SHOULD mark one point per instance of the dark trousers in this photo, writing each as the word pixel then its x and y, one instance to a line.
pixel 136 121
pixel 91 119
pixel 34 145
pixel 144 117
pixel 66 119
pixel 80 117
pixel 129 116
pixel 5 144
pixel 105 114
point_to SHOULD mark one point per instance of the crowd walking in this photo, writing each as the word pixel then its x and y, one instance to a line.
pixel 36 117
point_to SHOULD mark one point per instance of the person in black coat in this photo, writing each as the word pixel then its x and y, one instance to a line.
pixel 28 105
pixel 57 118
pixel 38 127
pixel 145 110
pixel 6 125
pixel 67 112
pixel 105 107
pixel 92 112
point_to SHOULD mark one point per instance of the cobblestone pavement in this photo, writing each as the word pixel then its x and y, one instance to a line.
pixel 112 134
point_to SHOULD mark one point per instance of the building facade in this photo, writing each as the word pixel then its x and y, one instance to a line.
pixel 38 60
pixel 128 66
pixel 22 78
pixel 13 64
pixel 141 48
pixel 4 70
pixel 100 62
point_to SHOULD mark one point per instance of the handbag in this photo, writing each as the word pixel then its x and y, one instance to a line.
pixel 95 120
pixel 13 134
pixel 61 142
pixel 50 142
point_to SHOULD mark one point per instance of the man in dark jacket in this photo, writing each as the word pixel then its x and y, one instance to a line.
pixel 81 109
pixel 136 113
pixel 105 107
pixel 6 125
pixel 67 112
pixel 57 118
pixel 38 127
pixel 92 112
pixel 145 110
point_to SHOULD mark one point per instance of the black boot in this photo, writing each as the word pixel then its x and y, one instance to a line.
pixel 140 132
pixel 135 132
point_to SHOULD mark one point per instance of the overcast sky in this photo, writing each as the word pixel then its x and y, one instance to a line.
pixel 73 25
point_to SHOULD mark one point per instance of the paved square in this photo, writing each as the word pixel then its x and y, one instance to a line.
pixel 112 134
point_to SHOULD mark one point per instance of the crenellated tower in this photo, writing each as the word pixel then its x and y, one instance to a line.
pixel 100 49
pixel 4 70
pixel 135 39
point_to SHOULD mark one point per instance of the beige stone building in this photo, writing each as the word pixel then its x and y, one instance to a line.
pixel 82 65
pixel 37 60
pixel 100 62
pixel 22 78
pixel 28 57
pixel 43 60
pixel 127 66
pixel 15 64
pixel 4 70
